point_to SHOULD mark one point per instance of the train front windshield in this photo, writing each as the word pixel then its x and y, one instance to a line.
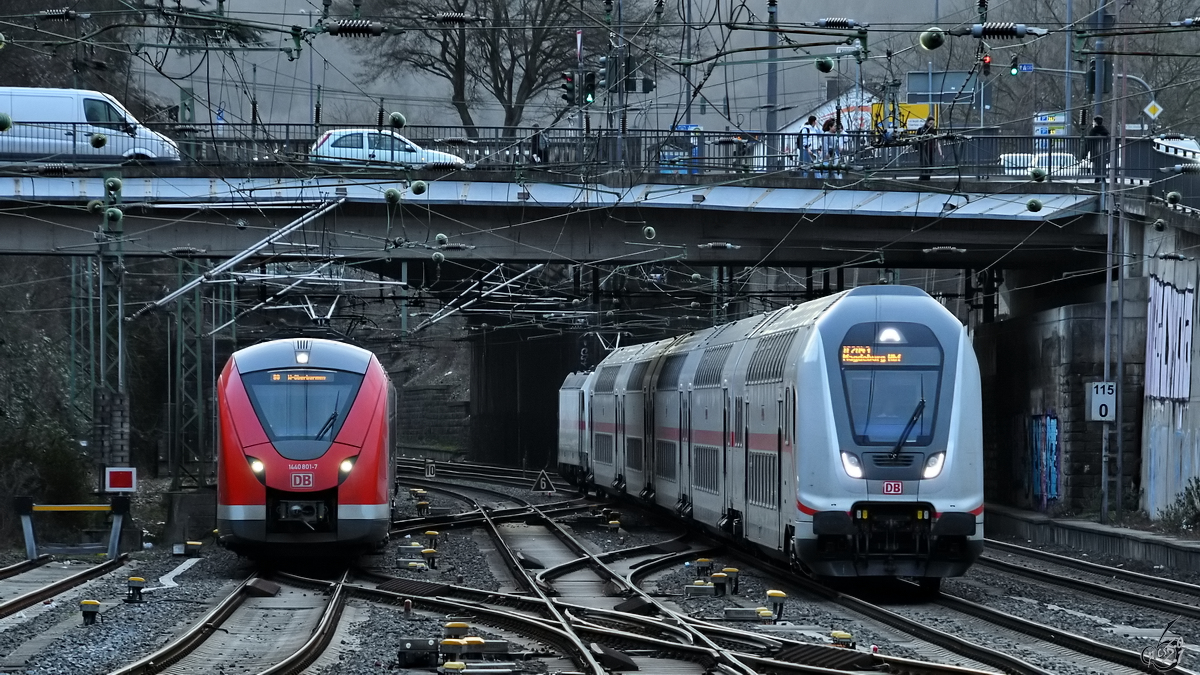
pixel 302 410
pixel 892 374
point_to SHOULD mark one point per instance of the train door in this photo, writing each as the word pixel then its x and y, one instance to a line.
pixel 649 466
pixel 685 452
pixel 620 434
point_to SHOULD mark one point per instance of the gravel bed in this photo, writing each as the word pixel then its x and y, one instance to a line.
pixel 125 632
pixel 1100 619
pixel 458 555
pixel 813 620
pixel 607 540
pixel 376 641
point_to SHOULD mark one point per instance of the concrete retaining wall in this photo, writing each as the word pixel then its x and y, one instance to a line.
pixel 1039 451
pixel 427 419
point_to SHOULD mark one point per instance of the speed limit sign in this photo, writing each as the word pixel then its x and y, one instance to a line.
pixel 1102 402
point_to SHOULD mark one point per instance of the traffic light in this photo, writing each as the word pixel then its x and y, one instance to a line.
pixel 589 87
pixel 630 74
pixel 1090 80
pixel 1014 67
pixel 648 84
pixel 605 80
pixel 568 87
pixel 987 64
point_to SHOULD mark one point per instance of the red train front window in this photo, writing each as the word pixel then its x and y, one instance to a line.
pixel 302 409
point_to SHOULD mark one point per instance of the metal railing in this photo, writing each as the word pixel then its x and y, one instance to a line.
pixel 701 153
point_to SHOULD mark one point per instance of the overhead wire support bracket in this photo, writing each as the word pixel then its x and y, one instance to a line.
pixel 237 259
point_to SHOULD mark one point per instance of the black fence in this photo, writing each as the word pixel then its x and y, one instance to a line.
pixel 969 156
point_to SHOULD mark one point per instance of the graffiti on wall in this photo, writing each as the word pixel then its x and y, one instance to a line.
pixel 1044 458
pixel 1169 341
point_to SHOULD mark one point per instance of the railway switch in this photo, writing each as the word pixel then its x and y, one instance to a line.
pixel 841 638
pixel 732 574
pixel 418 652
pixel 136 584
pixel 777 599
pixel 719 582
pixel 473 648
pixel 90 610
pixel 452 649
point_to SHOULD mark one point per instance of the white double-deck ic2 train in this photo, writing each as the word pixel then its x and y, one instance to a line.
pixel 842 433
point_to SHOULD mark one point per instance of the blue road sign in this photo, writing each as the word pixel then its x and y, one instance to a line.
pixel 1025 67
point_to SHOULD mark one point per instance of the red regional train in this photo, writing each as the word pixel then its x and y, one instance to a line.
pixel 304 457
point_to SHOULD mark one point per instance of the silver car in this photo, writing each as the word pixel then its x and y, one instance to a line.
pixel 377 146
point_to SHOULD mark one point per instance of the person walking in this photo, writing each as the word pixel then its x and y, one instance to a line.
pixel 1097 147
pixel 805 144
pixel 537 148
pixel 926 144
pixel 830 148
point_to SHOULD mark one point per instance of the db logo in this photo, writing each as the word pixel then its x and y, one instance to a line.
pixel 302 480
pixel 890 487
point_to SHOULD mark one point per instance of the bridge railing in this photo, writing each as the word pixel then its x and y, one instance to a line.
pixel 598 152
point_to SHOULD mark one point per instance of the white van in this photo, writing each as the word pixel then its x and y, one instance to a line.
pixel 58 125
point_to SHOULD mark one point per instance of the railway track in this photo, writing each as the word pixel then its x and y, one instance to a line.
pixel 1038 643
pixel 549 596
pixel 254 631
pixel 31 582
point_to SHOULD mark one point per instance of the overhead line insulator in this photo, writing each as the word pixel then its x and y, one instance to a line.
pixel 838 23
pixel 999 29
pixel 63 14
pixel 355 28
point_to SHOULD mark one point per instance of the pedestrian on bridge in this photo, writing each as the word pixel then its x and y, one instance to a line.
pixel 537 148
pixel 805 144
pixel 1097 147
pixel 926 144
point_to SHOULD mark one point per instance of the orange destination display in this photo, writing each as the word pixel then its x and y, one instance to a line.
pixel 864 354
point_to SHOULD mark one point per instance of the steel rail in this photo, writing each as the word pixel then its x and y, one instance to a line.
pixel 1093 588
pixel 558 638
pixel 1077 643
pixel 1095 568
pixel 553 635
pixel 586 658
pixel 23 566
pixel 191 638
pixel 319 641
pixel 26 600
pixel 728 658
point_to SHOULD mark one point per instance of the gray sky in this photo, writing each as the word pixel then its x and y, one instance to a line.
pixel 285 88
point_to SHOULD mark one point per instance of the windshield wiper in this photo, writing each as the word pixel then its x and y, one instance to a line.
pixel 325 428
pixel 912 422
pixel 328 426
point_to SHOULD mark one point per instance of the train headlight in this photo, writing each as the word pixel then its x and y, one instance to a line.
pixel 852 465
pixel 345 467
pixel 933 465
pixel 257 466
